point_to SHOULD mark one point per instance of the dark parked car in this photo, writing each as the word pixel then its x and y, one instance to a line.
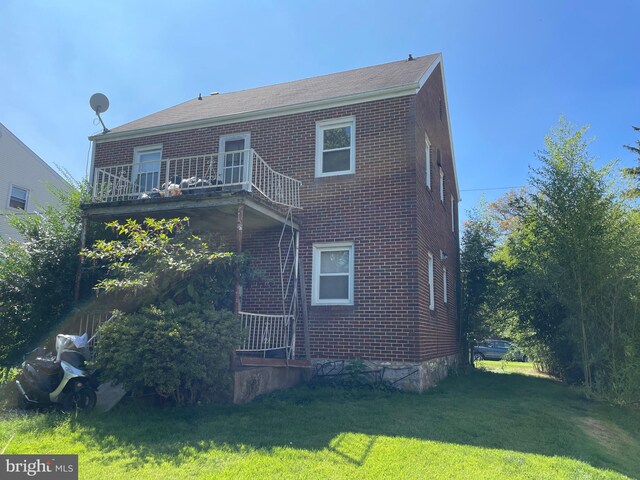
pixel 496 350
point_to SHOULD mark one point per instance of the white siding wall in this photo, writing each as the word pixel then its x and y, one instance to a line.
pixel 21 167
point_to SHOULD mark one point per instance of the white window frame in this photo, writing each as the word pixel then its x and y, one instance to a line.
pixel 453 217
pixel 318 248
pixel 328 125
pixel 26 200
pixel 137 153
pixel 432 305
pixel 444 285
pixel 246 160
pixel 427 158
pixel 441 185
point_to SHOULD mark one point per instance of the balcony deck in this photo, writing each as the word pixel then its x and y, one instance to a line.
pixel 206 188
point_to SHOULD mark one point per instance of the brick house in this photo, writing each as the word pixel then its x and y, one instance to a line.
pixel 342 188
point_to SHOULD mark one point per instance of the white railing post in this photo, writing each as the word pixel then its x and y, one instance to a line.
pixel 266 332
pixel 95 185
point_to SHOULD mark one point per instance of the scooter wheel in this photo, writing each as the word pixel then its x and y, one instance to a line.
pixel 83 400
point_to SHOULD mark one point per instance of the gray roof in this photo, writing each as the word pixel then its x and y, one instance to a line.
pixel 333 86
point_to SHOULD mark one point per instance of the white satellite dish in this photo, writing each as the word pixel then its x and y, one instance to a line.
pixel 99 103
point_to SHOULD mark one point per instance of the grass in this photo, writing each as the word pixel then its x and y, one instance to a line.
pixel 524 368
pixel 484 425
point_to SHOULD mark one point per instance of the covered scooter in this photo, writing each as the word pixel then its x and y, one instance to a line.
pixel 62 380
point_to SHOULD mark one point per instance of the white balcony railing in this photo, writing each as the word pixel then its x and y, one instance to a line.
pixel 242 169
pixel 263 332
pixel 267 332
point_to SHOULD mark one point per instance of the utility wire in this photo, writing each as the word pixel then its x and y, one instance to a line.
pixel 493 188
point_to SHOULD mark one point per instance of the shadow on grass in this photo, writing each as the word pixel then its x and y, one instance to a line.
pixel 511 412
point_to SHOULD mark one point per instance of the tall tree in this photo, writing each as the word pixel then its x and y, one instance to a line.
pixel 634 172
pixel 575 261
pixel 476 266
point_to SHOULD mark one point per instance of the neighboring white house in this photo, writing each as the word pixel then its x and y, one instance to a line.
pixel 24 181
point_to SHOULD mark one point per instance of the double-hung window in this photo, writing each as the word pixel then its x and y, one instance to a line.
pixel 427 159
pixel 18 197
pixel 431 293
pixel 444 285
pixel 332 282
pixel 335 147
pixel 453 216
pixel 146 168
pixel 441 185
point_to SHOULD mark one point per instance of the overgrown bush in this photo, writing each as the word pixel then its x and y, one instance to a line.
pixel 37 275
pixel 180 351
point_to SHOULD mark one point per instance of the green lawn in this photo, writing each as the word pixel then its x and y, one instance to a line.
pixel 524 368
pixel 485 425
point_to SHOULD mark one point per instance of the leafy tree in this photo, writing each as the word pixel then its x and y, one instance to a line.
pixel 634 172
pixel 177 334
pixel 157 259
pixel 37 276
pixel 476 267
pixel 572 268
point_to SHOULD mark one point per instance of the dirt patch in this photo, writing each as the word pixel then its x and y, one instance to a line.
pixel 610 436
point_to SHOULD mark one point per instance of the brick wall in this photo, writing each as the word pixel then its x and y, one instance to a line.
pixel 438 328
pixel 376 208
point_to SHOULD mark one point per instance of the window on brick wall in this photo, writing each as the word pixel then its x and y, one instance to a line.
pixel 444 285
pixel 430 266
pixel 332 282
pixel 146 167
pixel 427 160
pixel 18 197
pixel 335 147
pixel 453 216
pixel 441 184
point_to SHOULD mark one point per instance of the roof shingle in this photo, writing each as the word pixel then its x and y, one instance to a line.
pixel 332 86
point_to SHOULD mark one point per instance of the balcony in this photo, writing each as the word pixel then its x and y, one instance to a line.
pixel 217 172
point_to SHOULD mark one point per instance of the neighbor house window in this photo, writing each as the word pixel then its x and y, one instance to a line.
pixel 441 185
pixel 427 160
pixel 335 147
pixel 18 197
pixel 332 281
pixel 444 284
pixel 431 299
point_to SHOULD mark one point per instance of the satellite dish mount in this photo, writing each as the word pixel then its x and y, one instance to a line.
pixel 99 103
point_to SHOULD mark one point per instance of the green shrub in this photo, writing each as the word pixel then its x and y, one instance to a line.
pixel 180 351
pixel 38 275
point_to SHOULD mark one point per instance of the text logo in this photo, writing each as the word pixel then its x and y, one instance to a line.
pixel 49 467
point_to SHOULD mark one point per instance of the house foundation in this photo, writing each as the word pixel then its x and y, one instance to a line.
pixel 408 376
pixel 257 376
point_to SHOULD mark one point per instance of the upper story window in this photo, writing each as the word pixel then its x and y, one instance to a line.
pixel 453 216
pixel 18 197
pixel 332 282
pixel 427 160
pixel 335 147
pixel 146 167
pixel 441 185
pixel 445 293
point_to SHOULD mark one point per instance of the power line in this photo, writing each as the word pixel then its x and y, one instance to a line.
pixel 492 188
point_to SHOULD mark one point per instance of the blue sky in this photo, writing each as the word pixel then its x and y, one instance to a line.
pixel 512 67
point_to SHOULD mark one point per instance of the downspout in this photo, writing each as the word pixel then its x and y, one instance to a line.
pixel 238 290
pixel 83 239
